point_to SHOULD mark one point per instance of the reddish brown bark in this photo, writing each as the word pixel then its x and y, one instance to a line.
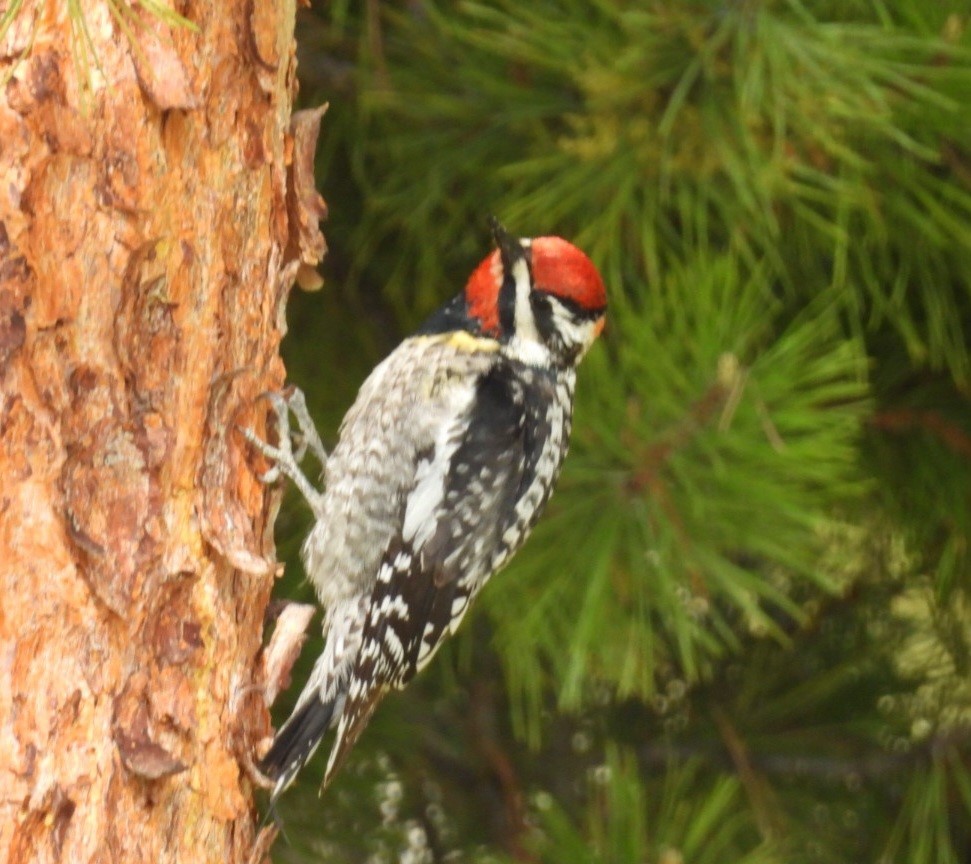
pixel 146 249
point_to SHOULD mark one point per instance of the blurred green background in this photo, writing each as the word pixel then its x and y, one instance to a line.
pixel 742 631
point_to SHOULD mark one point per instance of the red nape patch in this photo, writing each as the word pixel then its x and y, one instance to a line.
pixel 482 293
pixel 559 268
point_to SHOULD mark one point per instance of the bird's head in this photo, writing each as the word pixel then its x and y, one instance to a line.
pixel 541 297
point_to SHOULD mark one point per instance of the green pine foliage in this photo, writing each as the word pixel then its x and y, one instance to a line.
pixel 742 632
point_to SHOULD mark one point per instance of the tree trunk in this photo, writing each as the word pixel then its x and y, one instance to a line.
pixel 149 233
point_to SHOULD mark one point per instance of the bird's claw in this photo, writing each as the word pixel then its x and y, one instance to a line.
pixel 284 459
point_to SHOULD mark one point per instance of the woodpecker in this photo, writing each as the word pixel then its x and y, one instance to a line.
pixel 443 465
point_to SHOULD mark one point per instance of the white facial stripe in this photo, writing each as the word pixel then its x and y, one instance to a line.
pixel 525 323
pixel 526 344
pixel 566 324
pixel 581 333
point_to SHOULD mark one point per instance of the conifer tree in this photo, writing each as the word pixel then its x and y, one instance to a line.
pixel 742 632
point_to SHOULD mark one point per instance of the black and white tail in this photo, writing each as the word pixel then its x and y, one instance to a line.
pixel 296 741
pixel 322 701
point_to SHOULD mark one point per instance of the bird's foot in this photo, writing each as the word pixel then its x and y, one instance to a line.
pixel 286 459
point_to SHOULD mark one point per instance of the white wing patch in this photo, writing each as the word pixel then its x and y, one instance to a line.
pixel 421 513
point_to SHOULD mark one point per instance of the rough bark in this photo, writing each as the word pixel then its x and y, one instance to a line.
pixel 148 238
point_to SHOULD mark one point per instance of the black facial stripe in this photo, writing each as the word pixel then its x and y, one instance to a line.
pixel 542 308
pixel 581 313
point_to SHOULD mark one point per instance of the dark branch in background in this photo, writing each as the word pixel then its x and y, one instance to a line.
pixel 867 765
pixel 482 724
pixel 647 477
pixel 934 423
pixel 768 815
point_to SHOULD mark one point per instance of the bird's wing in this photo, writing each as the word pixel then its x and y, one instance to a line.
pixel 466 486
